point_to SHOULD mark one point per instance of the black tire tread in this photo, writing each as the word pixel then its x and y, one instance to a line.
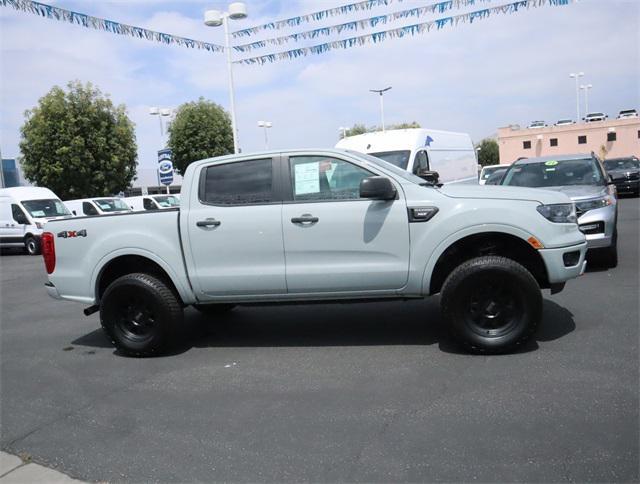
pixel 169 298
pixel 464 270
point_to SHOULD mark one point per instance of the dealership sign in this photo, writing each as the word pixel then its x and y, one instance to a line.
pixel 165 167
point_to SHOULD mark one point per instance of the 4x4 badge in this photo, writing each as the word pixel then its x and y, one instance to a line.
pixel 69 234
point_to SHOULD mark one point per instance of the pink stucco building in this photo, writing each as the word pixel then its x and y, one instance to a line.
pixel 608 139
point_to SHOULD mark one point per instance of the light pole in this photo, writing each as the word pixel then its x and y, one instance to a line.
pixel 576 76
pixel 381 91
pixel 265 125
pixel 586 88
pixel 344 131
pixel 216 18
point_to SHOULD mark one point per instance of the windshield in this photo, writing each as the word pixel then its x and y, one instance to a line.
pixel 167 201
pixel 390 167
pixel 111 204
pixel 47 208
pixel 552 173
pixel 397 158
pixel 622 164
pixel 496 177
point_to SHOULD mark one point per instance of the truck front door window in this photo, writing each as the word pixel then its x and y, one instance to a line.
pixel 89 209
pixel 18 215
pixel 322 178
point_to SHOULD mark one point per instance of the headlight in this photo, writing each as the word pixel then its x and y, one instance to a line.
pixel 587 205
pixel 562 213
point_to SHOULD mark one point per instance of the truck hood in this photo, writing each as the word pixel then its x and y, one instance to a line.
pixel 504 193
pixel 581 192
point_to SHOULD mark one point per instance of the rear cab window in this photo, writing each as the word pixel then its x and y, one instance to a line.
pixel 238 183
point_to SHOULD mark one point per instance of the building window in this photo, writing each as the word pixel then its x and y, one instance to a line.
pixel 611 136
pixel 553 142
pixel 582 140
pixel 526 145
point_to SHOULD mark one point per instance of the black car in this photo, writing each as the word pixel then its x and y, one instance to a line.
pixel 625 173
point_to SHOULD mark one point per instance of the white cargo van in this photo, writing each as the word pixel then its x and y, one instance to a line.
pixel 23 213
pixel 420 150
pixel 97 206
pixel 153 202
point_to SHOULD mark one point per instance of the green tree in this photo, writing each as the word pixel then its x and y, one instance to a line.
pixel 357 129
pixel 78 144
pixel 201 129
pixel 489 153
pixel 412 124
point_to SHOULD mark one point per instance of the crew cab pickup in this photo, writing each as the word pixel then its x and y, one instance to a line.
pixel 302 226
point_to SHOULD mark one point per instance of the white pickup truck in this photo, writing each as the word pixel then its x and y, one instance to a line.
pixel 319 225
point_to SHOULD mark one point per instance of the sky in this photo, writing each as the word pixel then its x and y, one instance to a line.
pixel 507 69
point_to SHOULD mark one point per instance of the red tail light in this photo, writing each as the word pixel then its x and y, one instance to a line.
pixel 48 252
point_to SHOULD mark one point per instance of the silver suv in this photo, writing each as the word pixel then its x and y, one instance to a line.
pixel 584 179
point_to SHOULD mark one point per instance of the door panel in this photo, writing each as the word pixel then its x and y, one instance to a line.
pixel 336 242
pixel 235 232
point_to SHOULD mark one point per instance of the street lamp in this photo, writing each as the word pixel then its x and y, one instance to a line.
pixel 381 91
pixel 160 112
pixel 265 125
pixel 216 18
pixel 586 96
pixel 576 76
pixel 344 131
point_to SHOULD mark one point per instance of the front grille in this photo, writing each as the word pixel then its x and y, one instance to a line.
pixel 633 176
pixel 592 228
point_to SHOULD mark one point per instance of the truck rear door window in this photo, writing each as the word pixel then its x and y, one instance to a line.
pixel 239 183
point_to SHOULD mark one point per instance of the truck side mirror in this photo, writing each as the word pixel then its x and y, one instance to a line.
pixel 431 177
pixel 377 188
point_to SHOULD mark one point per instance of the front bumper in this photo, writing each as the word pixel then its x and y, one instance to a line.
pixel 554 261
pixel 51 290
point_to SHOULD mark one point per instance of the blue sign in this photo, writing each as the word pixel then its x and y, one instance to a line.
pixel 165 167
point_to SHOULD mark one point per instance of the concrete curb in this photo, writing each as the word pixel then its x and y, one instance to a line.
pixel 14 470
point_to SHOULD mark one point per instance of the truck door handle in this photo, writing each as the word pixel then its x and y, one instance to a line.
pixel 305 219
pixel 209 222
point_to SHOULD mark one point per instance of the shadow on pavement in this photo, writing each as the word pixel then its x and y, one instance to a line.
pixel 411 323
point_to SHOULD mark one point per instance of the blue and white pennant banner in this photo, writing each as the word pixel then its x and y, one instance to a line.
pixel 409 30
pixel 55 13
pixel 439 7
pixel 315 16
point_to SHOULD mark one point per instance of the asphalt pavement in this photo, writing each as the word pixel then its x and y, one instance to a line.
pixel 344 392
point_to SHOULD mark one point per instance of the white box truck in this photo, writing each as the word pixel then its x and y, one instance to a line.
pixel 420 150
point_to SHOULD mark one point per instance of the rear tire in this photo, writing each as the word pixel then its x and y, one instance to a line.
pixel 140 314
pixel 32 245
pixel 492 304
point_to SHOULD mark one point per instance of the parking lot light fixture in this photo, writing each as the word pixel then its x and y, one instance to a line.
pixel 381 92
pixel 216 18
pixel 585 88
pixel 265 125
pixel 577 76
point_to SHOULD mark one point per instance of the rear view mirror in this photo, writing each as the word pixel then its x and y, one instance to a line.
pixel 431 177
pixel 377 188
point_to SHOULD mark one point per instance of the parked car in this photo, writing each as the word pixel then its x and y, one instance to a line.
pixel 584 179
pixel 625 173
pixel 537 125
pixel 496 176
pixel 350 227
pixel 420 151
pixel 628 113
pixel 153 202
pixel 593 117
pixel 96 206
pixel 489 170
pixel 23 213
pixel 565 122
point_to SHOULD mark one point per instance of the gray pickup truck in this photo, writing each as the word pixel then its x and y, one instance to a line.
pixel 302 226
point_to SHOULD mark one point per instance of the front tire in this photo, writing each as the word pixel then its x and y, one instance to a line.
pixel 492 304
pixel 32 245
pixel 140 314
